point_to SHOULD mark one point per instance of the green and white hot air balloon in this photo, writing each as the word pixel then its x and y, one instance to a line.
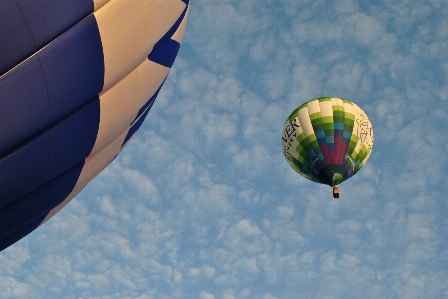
pixel 327 140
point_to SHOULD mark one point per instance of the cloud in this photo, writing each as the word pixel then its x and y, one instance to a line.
pixel 202 203
pixel 14 289
pixel 205 295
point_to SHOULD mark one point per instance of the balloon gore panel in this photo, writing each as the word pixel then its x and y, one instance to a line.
pixel 20 233
pixel 23 96
pixel 38 202
pixel 28 25
pixel 16 41
pixel 73 60
pixel 165 54
pixel 134 128
pixel 47 87
pixel 47 20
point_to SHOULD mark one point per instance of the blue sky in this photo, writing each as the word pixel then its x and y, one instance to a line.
pixel 202 204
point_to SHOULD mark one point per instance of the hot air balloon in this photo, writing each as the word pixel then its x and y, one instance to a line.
pixel 327 140
pixel 77 79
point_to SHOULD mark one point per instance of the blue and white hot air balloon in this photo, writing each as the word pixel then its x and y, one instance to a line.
pixel 77 79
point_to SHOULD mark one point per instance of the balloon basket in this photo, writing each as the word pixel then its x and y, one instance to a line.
pixel 335 192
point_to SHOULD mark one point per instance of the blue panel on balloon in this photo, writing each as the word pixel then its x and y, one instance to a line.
pixel 148 103
pixel 347 134
pixel 74 60
pixel 38 203
pixel 172 30
pixel 312 154
pixel 321 158
pixel 13 215
pixel 338 132
pixel 24 104
pixel 50 153
pixel 54 192
pixel 16 42
pixel 166 53
pixel 20 233
pixel 320 134
pixel 136 126
pixel 23 170
pixel 338 126
pixel 47 19
pixel 322 141
pixel 72 139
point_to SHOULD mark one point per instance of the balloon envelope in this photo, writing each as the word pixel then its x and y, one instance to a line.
pixel 77 79
pixel 327 140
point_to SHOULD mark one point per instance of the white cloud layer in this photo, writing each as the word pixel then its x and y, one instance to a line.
pixel 201 204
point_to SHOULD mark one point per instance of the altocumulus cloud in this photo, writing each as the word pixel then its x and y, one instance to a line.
pixel 201 203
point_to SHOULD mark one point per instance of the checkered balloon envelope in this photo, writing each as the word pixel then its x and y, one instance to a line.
pixel 327 140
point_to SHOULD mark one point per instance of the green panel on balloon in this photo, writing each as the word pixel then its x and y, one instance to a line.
pixel 327 140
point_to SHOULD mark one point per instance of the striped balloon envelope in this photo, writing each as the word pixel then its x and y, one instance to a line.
pixel 327 140
pixel 78 77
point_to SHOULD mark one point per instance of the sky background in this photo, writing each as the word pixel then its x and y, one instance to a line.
pixel 202 203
